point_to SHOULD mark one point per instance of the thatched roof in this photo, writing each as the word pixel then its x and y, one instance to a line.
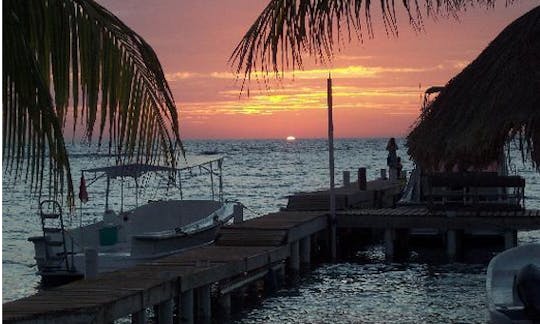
pixel 493 99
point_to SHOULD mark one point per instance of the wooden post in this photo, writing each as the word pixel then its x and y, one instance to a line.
pixel 186 307
pixel 90 263
pixel 294 260
pixel 204 304
pixel 165 312
pixel 138 317
pixel 392 173
pixel 225 300
pixel 451 245
pixel 240 300
pixel 383 174
pixel 510 239
pixel 401 244
pixel 362 179
pixel 331 166
pixel 238 212
pixel 305 252
pixel 225 303
pixel 346 178
pixel 389 244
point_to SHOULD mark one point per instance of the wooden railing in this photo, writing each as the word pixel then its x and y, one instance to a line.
pixel 474 191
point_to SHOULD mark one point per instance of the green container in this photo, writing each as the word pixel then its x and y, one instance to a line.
pixel 108 235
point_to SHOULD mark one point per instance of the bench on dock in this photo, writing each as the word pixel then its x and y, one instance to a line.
pixel 474 191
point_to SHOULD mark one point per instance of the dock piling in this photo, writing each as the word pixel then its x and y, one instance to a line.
pixel 401 244
pixel 91 263
pixel 204 304
pixel 346 178
pixel 389 244
pixel 186 307
pixel 451 245
pixel 510 239
pixel 294 260
pixel 305 252
pixel 225 300
pixel 165 312
pixel 238 212
pixel 362 179
pixel 138 317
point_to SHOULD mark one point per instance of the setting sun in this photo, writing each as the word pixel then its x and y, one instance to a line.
pixel 291 138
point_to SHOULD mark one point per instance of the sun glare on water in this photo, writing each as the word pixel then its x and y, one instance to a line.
pixel 291 138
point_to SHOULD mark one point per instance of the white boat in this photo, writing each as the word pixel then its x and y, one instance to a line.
pixel 119 240
pixel 511 280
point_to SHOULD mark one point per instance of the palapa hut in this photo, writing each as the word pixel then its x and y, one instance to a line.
pixel 492 100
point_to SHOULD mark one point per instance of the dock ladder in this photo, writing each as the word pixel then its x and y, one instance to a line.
pixel 52 224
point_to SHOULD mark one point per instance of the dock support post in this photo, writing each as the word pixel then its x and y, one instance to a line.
pixel 401 244
pixel 90 263
pixel 392 174
pixel 238 212
pixel 510 239
pixel 165 312
pixel 362 179
pixel 305 252
pixel 346 178
pixel 204 305
pixel 294 260
pixel 389 244
pixel 225 300
pixel 451 245
pixel 186 307
pixel 240 298
pixel 225 304
pixel 138 317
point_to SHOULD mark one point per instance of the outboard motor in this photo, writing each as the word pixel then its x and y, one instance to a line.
pixel 528 288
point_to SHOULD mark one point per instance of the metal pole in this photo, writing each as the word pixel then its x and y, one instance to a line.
pixel 220 166
pixel 212 180
pixel 107 193
pixel 331 165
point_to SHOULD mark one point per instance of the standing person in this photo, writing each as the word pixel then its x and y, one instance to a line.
pixel 391 160
pixel 399 167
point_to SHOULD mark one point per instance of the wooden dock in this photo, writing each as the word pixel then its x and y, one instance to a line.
pixel 421 217
pixel 242 253
pixel 272 246
pixel 378 193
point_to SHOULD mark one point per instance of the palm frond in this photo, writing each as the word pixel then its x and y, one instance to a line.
pixel 62 55
pixel 286 30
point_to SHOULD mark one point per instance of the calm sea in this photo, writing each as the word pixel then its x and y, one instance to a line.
pixel 260 174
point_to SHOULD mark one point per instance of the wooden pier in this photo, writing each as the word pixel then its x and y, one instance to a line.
pixel 268 248
pixel 243 253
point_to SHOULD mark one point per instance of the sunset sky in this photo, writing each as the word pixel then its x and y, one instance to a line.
pixel 377 84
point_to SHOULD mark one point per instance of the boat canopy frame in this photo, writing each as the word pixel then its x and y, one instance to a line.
pixel 136 170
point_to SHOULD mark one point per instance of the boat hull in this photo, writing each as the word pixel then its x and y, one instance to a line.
pixel 152 231
pixel 504 304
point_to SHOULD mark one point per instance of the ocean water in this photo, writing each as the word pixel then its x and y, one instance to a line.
pixel 260 174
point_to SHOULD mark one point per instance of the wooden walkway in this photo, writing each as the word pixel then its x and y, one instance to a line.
pixel 273 229
pixel 239 251
pixel 377 194
pixel 421 217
